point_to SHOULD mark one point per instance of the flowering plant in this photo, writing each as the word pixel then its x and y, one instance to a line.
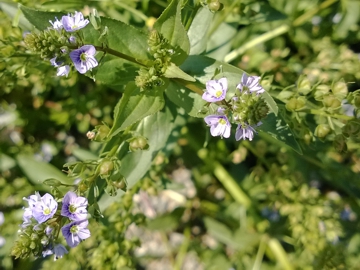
pixel 211 124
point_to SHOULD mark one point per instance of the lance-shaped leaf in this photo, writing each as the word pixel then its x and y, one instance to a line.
pixel 134 105
pixel 40 19
pixel 198 30
pixel 170 26
pixel 279 129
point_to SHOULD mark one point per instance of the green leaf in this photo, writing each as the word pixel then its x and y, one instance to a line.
pixel 134 106
pixel 271 103
pixel 174 71
pixel 6 162
pixel 115 71
pixel 121 37
pixel 277 128
pixel 40 19
pixel 198 30
pixel 170 26
pixel 167 222
pixel 38 171
pixel 157 129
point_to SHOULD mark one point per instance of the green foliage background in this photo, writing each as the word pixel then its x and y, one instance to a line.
pixel 277 202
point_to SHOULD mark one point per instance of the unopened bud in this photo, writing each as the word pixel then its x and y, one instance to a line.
pixel 331 102
pixel 295 104
pixel 101 133
pixel 340 89
pixel 90 135
pixel 95 19
pixel 215 5
pixel 320 91
pixel 52 182
pixel 106 167
pixel 138 143
pixel 303 85
pixel 322 131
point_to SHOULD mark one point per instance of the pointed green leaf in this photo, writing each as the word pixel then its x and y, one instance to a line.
pixel 170 26
pixel 174 71
pixel 134 106
pixel 278 128
pixel 198 30
pixel 40 19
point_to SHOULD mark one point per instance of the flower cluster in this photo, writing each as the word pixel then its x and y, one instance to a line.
pixel 246 108
pixel 63 46
pixel 42 221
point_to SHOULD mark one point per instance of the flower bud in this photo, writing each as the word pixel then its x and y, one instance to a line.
pixel 138 143
pixel 340 89
pixel 331 102
pixel 95 19
pixel 339 143
pixel 215 5
pixel 295 104
pixel 106 167
pixel 101 133
pixel 303 85
pixel 322 131
pixel 352 128
pixel 320 91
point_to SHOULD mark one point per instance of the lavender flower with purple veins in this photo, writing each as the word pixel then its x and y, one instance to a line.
pixel 219 125
pixel 215 90
pixel 45 208
pixel 245 133
pixel 59 251
pixel 75 22
pixel 251 84
pixel 83 58
pixel 57 25
pixel 75 231
pixel 74 207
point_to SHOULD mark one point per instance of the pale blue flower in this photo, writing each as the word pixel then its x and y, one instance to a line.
pixel 251 84
pixel 247 132
pixel 74 207
pixel 75 232
pixel 83 58
pixel 215 90
pixel 45 208
pixel 74 22
pixel 219 125
pixel 59 251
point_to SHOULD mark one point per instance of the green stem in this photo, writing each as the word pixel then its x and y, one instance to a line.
pixel 253 150
pixel 260 254
pixel 183 250
pixel 132 10
pixel 222 17
pixel 230 185
pixel 322 113
pixel 277 31
pixel 280 253
pixel 120 55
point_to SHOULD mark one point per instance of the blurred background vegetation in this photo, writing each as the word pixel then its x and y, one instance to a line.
pixel 215 205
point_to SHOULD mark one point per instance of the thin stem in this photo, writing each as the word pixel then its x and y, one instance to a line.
pixel 260 254
pixel 132 10
pixel 183 249
pixel 322 113
pixel 119 54
pixel 222 17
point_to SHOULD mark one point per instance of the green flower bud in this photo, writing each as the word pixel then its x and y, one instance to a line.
pixel 340 89
pixel 138 143
pixel 331 102
pixel 215 5
pixel 102 132
pixel 303 85
pixel 295 104
pixel 106 167
pixel 83 187
pixel 339 143
pixel 322 131
pixel 320 91
pixel 351 128
pixel 357 101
